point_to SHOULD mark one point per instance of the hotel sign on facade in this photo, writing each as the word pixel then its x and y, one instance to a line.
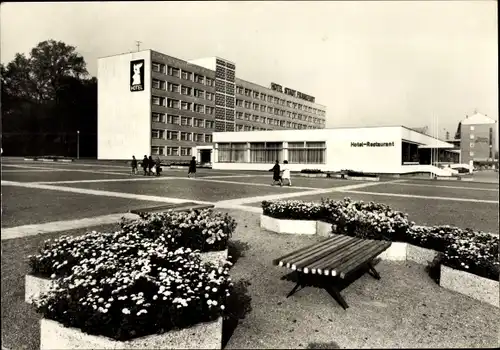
pixel 372 144
pixel 291 92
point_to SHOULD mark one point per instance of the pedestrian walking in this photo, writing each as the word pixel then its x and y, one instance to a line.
pixel 151 163
pixel 286 173
pixel 276 173
pixel 145 162
pixel 134 165
pixel 192 167
pixel 158 166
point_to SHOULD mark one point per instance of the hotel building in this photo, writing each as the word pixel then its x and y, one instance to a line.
pixel 153 104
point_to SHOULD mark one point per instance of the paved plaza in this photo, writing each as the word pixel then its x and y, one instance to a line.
pixel 43 200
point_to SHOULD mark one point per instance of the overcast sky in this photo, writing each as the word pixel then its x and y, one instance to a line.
pixel 370 63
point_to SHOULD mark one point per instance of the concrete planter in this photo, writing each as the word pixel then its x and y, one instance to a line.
pixel 54 335
pixel 312 175
pixel 323 229
pixel 363 178
pixel 298 227
pixel 396 252
pixel 35 286
pixel 479 288
pixel 420 255
pixel 179 167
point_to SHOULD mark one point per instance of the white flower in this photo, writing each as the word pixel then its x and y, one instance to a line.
pixel 126 311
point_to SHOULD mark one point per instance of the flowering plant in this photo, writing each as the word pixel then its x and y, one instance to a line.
pixel 124 296
pixel 205 229
pixel 293 210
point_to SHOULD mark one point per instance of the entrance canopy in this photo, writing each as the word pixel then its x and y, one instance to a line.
pixel 437 146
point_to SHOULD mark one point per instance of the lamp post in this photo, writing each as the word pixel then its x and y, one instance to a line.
pixel 78 144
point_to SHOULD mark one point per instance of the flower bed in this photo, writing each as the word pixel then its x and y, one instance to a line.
pixel 124 296
pixel 467 250
pixel 311 171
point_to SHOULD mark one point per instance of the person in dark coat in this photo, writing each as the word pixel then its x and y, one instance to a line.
pixel 276 173
pixel 158 166
pixel 192 167
pixel 145 162
pixel 151 164
pixel 134 165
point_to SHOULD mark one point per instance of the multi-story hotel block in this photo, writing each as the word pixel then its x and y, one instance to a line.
pixel 154 104
pixel 478 139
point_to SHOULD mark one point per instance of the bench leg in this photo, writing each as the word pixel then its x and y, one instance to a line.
pixel 335 293
pixel 296 288
pixel 373 272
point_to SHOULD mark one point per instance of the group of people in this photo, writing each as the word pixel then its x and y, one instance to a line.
pixel 148 164
pixel 281 173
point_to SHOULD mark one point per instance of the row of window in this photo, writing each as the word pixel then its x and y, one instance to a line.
pixel 170 151
pixel 181 73
pixel 261 119
pixel 273 99
pixel 181 120
pixel 180 135
pixel 268 152
pixel 240 127
pixel 179 104
pixel 182 89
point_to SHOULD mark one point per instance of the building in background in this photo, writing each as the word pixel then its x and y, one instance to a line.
pixel 390 150
pixel 478 139
pixel 151 103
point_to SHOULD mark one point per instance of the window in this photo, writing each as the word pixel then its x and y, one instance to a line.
pixel 209 124
pixel 239 127
pixel 263 96
pixel 231 152
pixel 255 106
pixel 199 108
pixel 239 103
pixel 158 101
pixel 306 152
pixel 209 82
pixel 158 134
pixel 172 119
pixel 239 115
pixel 156 67
pixel 198 123
pixel 247 128
pixel 209 110
pixel 248 105
pixel 186 136
pixel 157 151
pixel 255 118
pixel 266 152
pixel 173 103
pixel 269 109
pixel 209 96
pixel 200 79
pixel 471 136
pixel 173 87
pixel 239 90
pixel 208 138
pixel 172 151
pixel 186 121
pixel 158 117
pixel 247 116
pixel 175 72
pixel 185 90
pixel 247 92
pixel 269 99
pixel 472 128
pixel 159 84
pixel 198 137
pixel 186 106
pixel 262 108
pixel 262 119
pixel 471 154
pixel 185 151
pixel 187 75
pixel 300 107
pixel 255 94
pixel 172 135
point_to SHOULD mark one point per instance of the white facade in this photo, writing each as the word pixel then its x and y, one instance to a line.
pixel 124 116
pixel 368 149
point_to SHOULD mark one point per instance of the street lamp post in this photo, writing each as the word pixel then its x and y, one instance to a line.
pixel 78 144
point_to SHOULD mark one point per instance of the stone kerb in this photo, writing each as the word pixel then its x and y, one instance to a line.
pixel 54 336
pixel 476 287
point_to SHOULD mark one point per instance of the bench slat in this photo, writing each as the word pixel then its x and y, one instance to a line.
pixel 354 246
pixel 312 247
pixel 367 258
pixel 359 258
pixel 304 261
pixel 328 267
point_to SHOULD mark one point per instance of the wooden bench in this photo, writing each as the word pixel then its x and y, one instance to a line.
pixel 334 257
